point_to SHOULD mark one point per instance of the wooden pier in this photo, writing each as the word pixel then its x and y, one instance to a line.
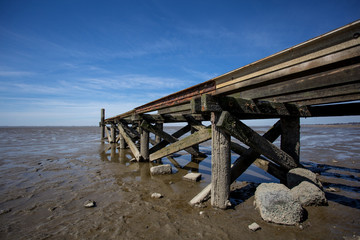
pixel 320 77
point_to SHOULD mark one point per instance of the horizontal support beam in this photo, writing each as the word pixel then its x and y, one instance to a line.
pixel 347 109
pixel 244 108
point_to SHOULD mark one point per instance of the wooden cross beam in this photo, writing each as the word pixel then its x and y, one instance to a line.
pixel 249 137
pixel 129 141
pixel 244 108
pixel 166 136
pixel 248 156
pixel 196 138
pixel 177 134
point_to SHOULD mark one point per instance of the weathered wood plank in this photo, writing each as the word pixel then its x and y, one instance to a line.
pixel 220 164
pixel 175 109
pixel 271 168
pixel 300 88
pixel 335 110
pixel 249 137
pixel 167 137
pixel 108 134
pixel 196 138
pixel 176 135
pixel 272 77
pixel 129 142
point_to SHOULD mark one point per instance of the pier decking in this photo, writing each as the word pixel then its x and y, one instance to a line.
pixel 320 77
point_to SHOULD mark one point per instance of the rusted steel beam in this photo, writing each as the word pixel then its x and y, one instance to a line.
pixel 178 97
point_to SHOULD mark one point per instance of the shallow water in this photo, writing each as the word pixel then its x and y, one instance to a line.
pixel 47 173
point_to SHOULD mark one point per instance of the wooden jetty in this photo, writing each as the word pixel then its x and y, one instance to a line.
pixel 320 77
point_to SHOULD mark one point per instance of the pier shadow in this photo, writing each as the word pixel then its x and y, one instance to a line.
pixel 330 183
pixel 240 194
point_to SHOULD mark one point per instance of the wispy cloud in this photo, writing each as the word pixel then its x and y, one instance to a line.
pixel 15 73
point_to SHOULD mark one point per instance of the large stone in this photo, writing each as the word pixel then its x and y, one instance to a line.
pixel 277 205
pixel 161 169
pixel 298 175
pixel 308 194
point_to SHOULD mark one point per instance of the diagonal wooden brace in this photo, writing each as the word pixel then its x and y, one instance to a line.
pixel 249 137
pixel 129 141
pixel 166 136
pixel 195 138
pixel 248 156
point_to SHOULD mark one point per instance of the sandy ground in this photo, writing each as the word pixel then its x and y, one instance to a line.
pixel 47 176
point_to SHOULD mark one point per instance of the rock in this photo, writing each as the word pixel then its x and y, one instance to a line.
pixel 156 195
pixel 89 204
pixel 254 227
pixel 308 194
pixel 297 175
pixel 276 204
pixel 161 169
pixel 193 177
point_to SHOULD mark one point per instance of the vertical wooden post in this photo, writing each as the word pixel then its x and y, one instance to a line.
pixel 161 127
pixel 144 144
pixel 290 137
pixel 195 147
pixel 122 144
pixel 220 168
pixel 113 133
pixel 102 123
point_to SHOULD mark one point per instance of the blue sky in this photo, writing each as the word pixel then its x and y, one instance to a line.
pixel 61 61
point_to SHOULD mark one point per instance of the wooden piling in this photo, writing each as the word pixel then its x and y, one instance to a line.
pixel 290 137
pixel 157 137
pixel 113 134
pixel 220 169
pixel 122 144
pixel 102 123
pixel 144 144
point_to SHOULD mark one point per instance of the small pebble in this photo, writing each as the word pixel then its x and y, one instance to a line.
pixel 89 204
pixel 254 227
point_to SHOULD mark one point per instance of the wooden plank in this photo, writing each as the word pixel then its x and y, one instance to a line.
pixel 173 118
pixel 290 57
pixel 176 135
pixel 129 142
pixel 167 137
pixel 220 165
pixel 196 138
pixel 305 67
pixel 318 96
pixel 300 88
pixel 249 137
pixel 332 99
pixel 175 109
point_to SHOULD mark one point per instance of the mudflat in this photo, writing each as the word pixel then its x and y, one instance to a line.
pixel 48 173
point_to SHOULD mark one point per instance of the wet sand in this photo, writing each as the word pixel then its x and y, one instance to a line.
pixel 47 174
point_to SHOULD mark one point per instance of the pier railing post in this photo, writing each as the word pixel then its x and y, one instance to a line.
pixel 102 123
pixel 220 167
